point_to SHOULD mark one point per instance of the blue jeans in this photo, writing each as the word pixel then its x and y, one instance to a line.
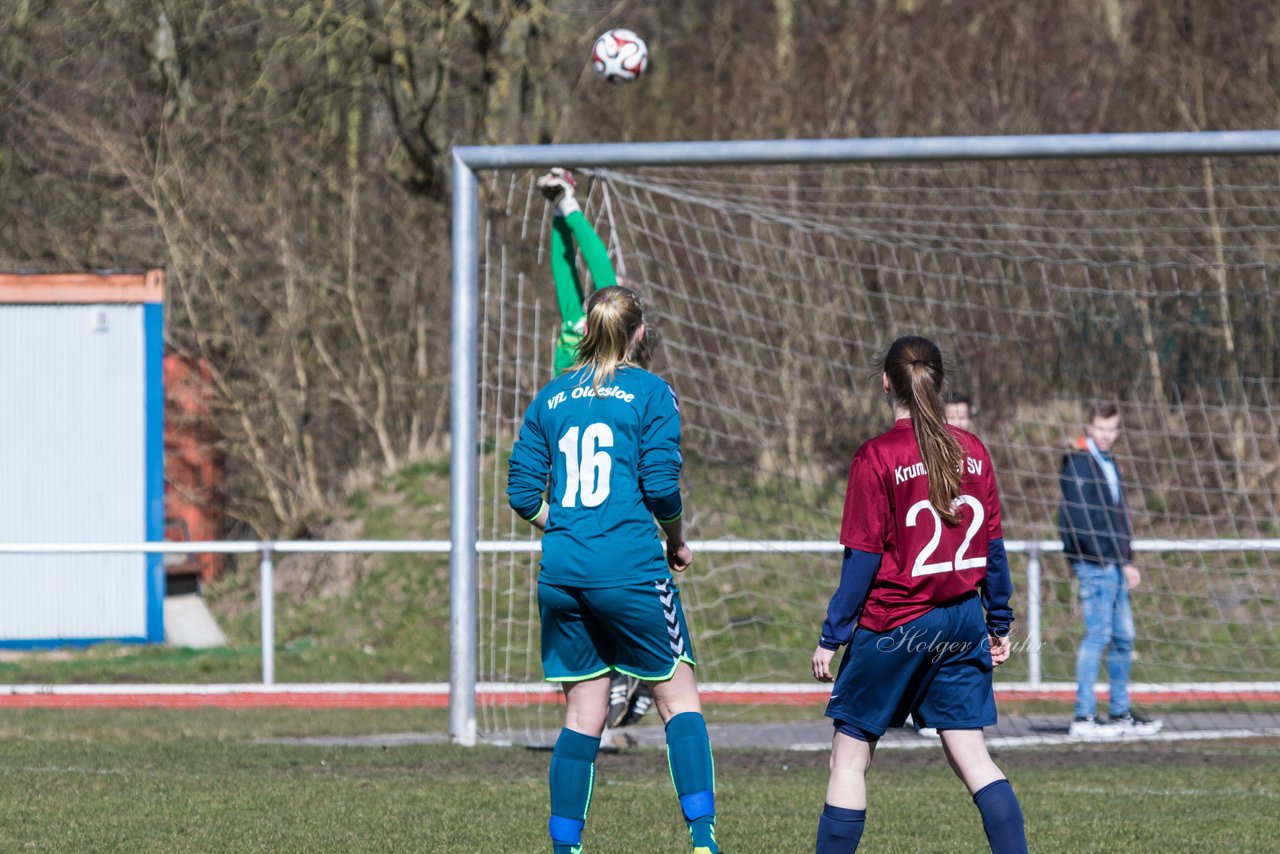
pixel 1108 621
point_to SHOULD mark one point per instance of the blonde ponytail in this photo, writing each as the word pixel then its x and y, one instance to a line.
pixel 613 316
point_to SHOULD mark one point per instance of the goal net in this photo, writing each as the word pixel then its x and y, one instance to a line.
pixel 772 290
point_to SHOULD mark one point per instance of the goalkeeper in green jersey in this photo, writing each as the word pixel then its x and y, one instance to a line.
pixel 570 232
pixel 629 698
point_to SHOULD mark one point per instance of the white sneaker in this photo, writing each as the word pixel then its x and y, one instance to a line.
pixel 1135 725
pixel 922 731
pixel 641 702
pixel 622 689
pixel 1089 728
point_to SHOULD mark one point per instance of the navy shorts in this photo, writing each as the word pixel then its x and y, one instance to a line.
pixel 937 668
pixel 638 630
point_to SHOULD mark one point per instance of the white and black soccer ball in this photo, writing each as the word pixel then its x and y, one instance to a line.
pixel 620 56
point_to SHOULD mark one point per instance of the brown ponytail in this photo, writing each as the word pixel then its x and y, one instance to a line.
pixel 613 316
pixel 914 368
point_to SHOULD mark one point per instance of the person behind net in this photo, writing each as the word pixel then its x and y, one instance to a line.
pixel 924 558
pixel 629 698
pixel 959 410
pixel 1097 539
pixel 603 440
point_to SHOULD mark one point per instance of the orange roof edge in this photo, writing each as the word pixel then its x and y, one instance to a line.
pixel 44 288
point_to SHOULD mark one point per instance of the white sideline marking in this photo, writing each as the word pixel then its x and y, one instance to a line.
pixel 116 690
pixel 1015 741
pixel 1147 790
pixel 1242 688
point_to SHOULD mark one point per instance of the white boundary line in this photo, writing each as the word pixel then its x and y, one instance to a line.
pixel 442 688
pixel 1019 741
pixel 731 546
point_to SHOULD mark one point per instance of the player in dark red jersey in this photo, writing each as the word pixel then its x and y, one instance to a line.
pixel 924 558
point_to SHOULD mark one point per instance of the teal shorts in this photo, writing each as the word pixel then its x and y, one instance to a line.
pixel 638 630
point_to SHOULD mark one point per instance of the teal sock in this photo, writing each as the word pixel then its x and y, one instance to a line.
pixel 694 775
pixel 573 774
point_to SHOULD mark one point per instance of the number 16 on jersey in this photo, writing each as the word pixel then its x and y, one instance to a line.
pixel 587 467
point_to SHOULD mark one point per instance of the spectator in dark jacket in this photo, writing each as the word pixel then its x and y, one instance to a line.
pixel 1097 539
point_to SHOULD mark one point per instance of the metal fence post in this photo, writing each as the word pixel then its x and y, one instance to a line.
pixel 1033 616
pixel 267 598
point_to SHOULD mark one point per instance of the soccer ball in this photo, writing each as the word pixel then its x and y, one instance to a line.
pixel 620 56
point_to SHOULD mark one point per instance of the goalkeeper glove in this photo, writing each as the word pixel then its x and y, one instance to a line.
pixel 557 187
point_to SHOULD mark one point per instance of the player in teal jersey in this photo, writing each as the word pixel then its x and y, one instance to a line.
pixel 629 698
pixel 603 442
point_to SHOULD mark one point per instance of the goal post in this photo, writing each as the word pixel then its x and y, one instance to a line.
pixel 671 223
pixel 464 419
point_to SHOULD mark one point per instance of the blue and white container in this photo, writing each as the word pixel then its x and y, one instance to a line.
pixel 81 456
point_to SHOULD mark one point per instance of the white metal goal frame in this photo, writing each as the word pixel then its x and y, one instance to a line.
pixel 467 161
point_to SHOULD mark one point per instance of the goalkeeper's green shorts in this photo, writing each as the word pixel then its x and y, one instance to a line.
pixel 638 629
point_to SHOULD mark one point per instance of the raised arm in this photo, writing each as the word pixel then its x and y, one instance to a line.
pixel 594 251
pixel 564 272
pixel 557 186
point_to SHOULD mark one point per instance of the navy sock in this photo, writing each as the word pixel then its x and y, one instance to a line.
pixel 572 775
pixel 694 775
pixel 839 830
pixel 1002 818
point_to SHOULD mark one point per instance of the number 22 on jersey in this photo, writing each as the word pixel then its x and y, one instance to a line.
pixel 922 566
pixel 587 468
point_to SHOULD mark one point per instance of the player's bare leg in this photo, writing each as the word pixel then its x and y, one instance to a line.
pixel 850 759
pixel 586 704
pixel 678 694
pixel 966 750
pixel 845 812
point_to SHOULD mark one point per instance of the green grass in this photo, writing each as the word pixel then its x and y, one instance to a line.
pixel 207 780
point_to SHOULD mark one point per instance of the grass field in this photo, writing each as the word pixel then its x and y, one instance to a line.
pixel 219 780
pixel 214 780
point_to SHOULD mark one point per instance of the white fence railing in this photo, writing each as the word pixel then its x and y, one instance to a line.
pixel 267 549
